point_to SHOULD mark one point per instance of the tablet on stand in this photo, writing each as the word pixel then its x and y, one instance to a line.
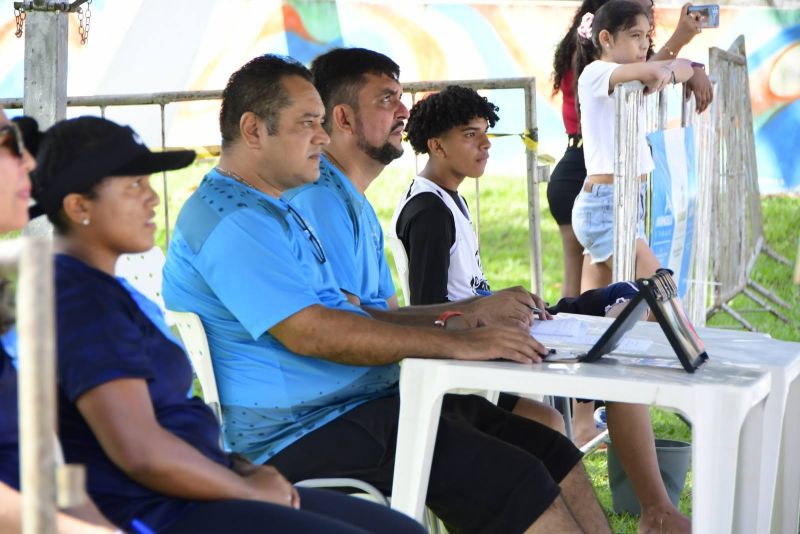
pixel 660 294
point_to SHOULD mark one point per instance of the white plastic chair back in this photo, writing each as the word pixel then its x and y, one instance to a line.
pixel 194 339
pixel 401 262
pixel 144 272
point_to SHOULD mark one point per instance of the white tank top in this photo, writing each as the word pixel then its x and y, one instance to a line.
pixel 465 275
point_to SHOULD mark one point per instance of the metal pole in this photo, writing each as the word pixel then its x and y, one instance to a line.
pixel 478 212
pixel 534 222
pixel 165 200
pixel 37 386
pixel 627 99
pixel 45 83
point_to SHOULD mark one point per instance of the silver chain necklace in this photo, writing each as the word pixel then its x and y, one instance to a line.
pixel 231 174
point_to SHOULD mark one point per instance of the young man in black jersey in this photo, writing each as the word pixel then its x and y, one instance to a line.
pixel 433 222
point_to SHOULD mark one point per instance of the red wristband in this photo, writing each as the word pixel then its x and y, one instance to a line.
pixel 442 319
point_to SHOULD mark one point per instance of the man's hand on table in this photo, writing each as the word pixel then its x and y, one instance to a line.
pixel 497 342
pixel 512 306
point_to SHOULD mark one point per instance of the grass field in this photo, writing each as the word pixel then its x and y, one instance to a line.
pixel 504 250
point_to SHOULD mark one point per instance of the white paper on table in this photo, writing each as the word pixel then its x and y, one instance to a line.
pixel 565 327
pixel 575 332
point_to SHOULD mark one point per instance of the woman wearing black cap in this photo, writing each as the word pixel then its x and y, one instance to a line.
pixel 15 164
pixel 152 453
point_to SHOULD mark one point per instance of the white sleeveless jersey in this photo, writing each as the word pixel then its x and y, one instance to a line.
pixel 465 275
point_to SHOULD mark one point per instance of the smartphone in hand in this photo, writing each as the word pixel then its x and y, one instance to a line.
pixel 707 15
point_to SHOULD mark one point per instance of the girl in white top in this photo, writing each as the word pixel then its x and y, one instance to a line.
pixel 612 49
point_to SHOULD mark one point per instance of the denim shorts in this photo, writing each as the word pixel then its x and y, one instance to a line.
pixel 593 220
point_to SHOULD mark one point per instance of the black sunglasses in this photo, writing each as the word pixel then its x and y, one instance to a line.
pixel 11 138
pixel 318 252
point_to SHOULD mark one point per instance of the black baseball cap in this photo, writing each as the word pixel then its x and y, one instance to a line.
pixel 76 154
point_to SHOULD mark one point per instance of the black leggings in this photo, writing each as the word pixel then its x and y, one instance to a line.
pixel 321 511
pixel 566 182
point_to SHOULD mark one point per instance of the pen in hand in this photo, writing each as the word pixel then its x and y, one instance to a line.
pixel 535 309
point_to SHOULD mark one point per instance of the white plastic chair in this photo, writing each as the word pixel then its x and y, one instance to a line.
pixel 194 338
pixel 401 262
pixel 144 272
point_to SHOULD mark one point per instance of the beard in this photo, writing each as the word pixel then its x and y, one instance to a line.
pixel 384 154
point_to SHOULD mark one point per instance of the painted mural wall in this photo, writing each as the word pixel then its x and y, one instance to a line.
pixel 141 46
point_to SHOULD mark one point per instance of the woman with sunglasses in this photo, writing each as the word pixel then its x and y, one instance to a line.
pixel 15 188
pixel 153 453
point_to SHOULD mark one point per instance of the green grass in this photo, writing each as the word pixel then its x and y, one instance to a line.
pixel 504 251
pixel 781 215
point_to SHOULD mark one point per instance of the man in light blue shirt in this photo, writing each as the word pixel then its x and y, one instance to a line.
pixel 346 222
pixel 272 395
pixel 308 381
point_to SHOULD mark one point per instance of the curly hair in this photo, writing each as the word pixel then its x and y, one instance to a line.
pixel 439 112
pixel 565 51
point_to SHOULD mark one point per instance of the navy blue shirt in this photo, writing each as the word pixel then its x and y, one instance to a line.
pixel 9 438
pixel 104 336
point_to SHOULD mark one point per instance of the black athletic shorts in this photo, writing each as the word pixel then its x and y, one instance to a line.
pixel 565 183
pixel 507 401
pixel 492 471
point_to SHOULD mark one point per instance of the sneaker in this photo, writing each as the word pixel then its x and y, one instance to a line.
pixel 600 418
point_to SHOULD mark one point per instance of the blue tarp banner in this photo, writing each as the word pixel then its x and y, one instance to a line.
pixel 674 201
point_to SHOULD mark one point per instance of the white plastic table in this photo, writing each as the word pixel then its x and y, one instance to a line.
pixel 724 401
pixel 777 474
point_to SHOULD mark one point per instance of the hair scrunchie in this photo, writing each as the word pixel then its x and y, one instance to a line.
pixel 585 29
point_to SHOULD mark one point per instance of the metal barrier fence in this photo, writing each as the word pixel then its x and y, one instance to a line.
pixel 729 231
pixel 737 229
pixel 628 123
pixel 632 114
pixel 535 174
pixel 696 300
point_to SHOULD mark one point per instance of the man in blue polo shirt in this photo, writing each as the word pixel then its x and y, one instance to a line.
pixel 308 381
pixel 361 94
